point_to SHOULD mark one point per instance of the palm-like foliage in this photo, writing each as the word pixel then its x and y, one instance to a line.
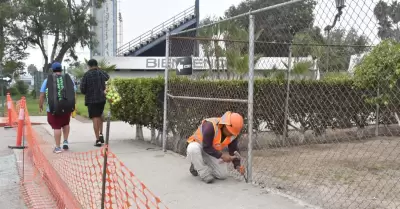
pixel 78 71
pixel 105 65
pixel 227 39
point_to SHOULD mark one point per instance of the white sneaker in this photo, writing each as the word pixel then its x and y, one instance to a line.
pixel 57 150
pixel 208 179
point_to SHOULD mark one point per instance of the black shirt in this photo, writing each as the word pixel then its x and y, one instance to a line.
pixel 93 85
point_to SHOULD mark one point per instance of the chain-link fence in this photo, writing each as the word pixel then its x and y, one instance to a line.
pixel 38 78
pixel 311 78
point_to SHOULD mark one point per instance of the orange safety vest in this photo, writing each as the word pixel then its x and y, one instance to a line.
pixel 217 144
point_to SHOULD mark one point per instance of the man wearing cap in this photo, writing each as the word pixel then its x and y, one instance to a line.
pixel 206 145
pixel 59 123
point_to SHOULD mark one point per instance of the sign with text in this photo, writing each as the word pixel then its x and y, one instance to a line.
pixel 198 63
pixel 184 66
pixel 6 78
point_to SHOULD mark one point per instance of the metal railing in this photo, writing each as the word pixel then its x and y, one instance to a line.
pixel 159 29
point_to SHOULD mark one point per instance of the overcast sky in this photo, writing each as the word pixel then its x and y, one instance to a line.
pixel 143 16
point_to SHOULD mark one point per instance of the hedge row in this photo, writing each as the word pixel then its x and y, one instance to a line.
pixel 316 105
pixel 140 103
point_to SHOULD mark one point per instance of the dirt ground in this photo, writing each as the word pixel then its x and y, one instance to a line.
pixel 362 174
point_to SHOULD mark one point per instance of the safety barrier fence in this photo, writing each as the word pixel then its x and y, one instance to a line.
pixel 74 180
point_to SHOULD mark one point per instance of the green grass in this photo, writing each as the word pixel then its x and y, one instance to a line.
pixel 31 104
pixel 33 107
pixel 81 109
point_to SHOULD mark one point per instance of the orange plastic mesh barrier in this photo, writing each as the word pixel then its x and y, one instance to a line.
pixel 74 180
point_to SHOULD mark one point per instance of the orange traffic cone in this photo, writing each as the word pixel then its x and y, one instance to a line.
pixel 21 123
pixel 10 120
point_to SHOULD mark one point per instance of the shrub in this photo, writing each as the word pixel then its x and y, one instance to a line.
pixel 379 71
pixel 22 87
pixel 316 105
pixel 13 91
pixel 139 103
pixel 33 94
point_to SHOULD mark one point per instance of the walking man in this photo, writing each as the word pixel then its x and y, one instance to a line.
pixel 206 145
pixel 59 92
pixel 93 86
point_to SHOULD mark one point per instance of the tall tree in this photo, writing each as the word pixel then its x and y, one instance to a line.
pixel 32 69
pixel 235 51
pixel 68 21
pixel 342 44
pixel 308 43
pixel 12 45
pixel 279 25
pixel 334 56
pixel 388 16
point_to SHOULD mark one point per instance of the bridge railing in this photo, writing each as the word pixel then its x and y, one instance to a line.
pixel 160 29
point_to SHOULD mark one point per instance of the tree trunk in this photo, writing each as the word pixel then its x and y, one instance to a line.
pixel 153 139
pixel 2 42
pixel 158 139
pixel 139 133
pixel 55 44
pixel 46 66
pixel 63 51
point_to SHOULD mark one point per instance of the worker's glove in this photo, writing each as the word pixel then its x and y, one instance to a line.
pixel 240 169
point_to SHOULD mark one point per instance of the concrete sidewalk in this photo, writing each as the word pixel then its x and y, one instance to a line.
pixel 10 197
pixel 167 174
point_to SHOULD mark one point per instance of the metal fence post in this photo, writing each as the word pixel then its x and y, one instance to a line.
pixel 286 114
pixel 377 114
pixel 250 100
pixel 2 83
pixel 164 135
pixel 104 177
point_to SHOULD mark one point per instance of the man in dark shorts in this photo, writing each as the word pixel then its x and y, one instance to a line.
pixel 93 85
pixel 57 122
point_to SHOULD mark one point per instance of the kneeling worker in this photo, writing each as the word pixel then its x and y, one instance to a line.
pixel 205 147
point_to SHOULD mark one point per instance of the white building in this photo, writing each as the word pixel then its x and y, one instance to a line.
pixel 128 67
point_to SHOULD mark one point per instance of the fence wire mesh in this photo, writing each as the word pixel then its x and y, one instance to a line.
pixel 38 78
pixel 322 83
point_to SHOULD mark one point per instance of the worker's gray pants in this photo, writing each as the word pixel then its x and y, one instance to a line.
pixel 206 164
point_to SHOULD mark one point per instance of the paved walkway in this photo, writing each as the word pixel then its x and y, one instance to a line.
pixel 167 175
pixel 10 197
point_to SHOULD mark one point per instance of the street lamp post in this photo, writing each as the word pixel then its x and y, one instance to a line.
pixel 340 4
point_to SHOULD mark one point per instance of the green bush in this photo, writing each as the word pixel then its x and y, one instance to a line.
pixel 33 94
pixel 139 101
pixel 13 91
pixel 380 71
pixel 22 87
pixel 316 105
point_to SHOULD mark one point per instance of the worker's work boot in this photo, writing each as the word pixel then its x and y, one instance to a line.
pixel 208 179
pixel 193 171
